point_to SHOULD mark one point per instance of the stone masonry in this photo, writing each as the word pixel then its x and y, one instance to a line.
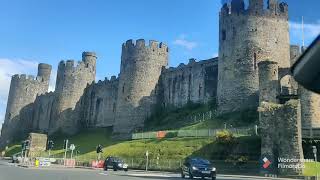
pixel 247 36
pixel 252 71
pixel 23 91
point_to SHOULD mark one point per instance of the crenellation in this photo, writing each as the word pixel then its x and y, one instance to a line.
pixel 130 45
pixel 237 6
pixel 255 8
pixel 140 43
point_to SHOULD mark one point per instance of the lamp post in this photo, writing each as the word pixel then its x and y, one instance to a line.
pixel 314 150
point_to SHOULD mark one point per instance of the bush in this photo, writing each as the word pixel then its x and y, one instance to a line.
pixel 172 134
pixel 225 137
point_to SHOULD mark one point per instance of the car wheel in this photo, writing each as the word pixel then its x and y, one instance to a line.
pixel 182 174
pixel 190 175
pixel 115 168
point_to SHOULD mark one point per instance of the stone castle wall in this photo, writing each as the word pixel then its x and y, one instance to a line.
pixel 281 135
pixel 97 106
pixel 195 82
pixel 247 36
pixel 43 112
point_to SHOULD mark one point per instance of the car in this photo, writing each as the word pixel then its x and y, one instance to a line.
pixel 198 167
pixel 115 163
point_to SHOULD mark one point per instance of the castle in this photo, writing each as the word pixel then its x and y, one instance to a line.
pixel 252 71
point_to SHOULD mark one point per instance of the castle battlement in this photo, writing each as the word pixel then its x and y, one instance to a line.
pixel 46 94
pixel 72 65
pixel 28 78
pixel 106 81
pixel 140 43
pixel 86 53
pixel 192 63
pixel 255 8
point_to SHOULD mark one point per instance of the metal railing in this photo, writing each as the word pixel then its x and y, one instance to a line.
pixel 310 133
pixel 194 133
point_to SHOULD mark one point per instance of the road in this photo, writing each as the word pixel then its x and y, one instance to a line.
pixel 11 172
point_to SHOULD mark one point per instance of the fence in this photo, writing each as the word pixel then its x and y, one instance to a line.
pixel 194 133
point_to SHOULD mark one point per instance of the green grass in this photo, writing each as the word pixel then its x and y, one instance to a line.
pixel 311 169
pixel 173 148
pixel 182 118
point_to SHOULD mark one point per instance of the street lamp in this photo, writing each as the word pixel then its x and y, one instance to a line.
pixel 314 150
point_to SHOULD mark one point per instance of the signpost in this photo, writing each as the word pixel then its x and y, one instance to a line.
pixel 65 150
pixel 314 150
pixel 72 148
pixel 147 163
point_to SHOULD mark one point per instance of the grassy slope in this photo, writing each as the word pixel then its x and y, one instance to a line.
pixel 175 148
pixel 180 119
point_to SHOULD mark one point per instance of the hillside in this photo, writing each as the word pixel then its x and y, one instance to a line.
pixel 169 150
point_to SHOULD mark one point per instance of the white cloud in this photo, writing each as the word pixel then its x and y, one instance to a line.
pixel 181 41
pixel 311 31
pixel 215 55
pixel 53 79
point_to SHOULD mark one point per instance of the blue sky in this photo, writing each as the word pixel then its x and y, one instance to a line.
pixel 51 30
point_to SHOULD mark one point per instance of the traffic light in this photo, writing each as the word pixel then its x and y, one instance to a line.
pixel 99 149
pixel 65 144
pixel 50 145
pixel 27 144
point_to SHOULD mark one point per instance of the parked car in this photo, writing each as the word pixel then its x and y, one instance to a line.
pixel 115 163
pixel 198 167
pixel 16 158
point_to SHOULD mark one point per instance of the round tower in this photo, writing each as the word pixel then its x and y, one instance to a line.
pixel 72 79
pixel 139 74
pixel 247 36
pixel 268 81
pixel 90 59
pixel 23 91
pixel 44 70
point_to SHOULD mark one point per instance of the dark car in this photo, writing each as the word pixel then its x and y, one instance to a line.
pixel 115 163
pixel 198 167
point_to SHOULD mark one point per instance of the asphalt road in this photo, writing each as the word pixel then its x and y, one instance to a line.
pixel 11 172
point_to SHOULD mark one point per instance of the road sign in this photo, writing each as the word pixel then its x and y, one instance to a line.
pixel 72 147
pixel 314 149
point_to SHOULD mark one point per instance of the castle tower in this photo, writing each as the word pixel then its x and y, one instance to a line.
pixel 72 79
pixel 139 74
pixel 23 91
pixel 268 81
pixel 247 36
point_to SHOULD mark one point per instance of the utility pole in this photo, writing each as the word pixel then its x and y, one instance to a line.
pixel 147 163
pixel 303 43
pixel 314 150
pixel 65 150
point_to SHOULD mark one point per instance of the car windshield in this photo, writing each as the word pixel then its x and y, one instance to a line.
pixel 117 160
pixel 199 161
